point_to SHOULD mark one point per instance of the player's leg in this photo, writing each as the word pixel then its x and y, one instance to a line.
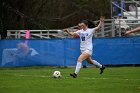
pixel 94 62
pixel 82 57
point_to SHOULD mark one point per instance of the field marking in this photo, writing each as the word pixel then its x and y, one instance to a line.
pixel 92 78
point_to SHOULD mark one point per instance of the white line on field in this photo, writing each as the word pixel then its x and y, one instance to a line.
pixel 43 76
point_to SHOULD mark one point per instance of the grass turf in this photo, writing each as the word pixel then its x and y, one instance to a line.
pixel 39 80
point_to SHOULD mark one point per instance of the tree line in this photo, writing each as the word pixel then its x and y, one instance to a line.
pixel 50 14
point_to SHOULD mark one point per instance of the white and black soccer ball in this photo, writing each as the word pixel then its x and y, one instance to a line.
pixel 56 74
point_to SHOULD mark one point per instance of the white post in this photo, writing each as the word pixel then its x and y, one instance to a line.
pixel 8 34
pixel 102 30
pixel 16 34
pixel 48 33
pixel 41 34
pixel 119 28
pixel 19 34
pixel 113 28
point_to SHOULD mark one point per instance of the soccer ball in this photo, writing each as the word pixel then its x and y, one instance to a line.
pixel 56 74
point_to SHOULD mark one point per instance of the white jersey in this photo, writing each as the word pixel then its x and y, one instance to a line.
pixel 86 38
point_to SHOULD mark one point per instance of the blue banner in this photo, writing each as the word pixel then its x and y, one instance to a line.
pixel 65 52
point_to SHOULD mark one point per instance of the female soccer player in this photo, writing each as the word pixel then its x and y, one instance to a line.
pixel 86 34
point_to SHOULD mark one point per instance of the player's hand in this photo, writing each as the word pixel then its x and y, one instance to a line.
pixel 65 30
pixel 102 18
pixel 127 32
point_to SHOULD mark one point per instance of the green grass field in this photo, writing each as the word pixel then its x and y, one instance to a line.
pixel 39 80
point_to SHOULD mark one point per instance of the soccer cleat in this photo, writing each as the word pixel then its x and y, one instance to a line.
pixel 73 75
pixel 102 69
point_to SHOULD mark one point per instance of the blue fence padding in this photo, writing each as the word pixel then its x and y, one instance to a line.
pixel 64 52
pixel 118 50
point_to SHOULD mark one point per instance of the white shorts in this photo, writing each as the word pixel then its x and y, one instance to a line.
pixel 87 51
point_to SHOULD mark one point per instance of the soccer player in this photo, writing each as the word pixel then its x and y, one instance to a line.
pixel 86 34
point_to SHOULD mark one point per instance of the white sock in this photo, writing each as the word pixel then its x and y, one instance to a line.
pixel 78 67
pixel 97 64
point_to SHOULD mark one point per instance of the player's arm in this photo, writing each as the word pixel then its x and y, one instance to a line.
pixel 133 30
pixel 100 23
pixel 70 33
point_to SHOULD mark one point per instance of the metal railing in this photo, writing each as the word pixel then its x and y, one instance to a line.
pixel 35 34
pixel 108 29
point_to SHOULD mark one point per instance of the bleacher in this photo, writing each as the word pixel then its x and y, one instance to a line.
pixel 130 9
pixel 128 14
pixel 133 14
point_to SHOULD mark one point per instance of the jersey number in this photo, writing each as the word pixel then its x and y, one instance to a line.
pixel 83 38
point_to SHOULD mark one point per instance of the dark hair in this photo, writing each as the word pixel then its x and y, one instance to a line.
pixel 85 22
pixel 89 23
